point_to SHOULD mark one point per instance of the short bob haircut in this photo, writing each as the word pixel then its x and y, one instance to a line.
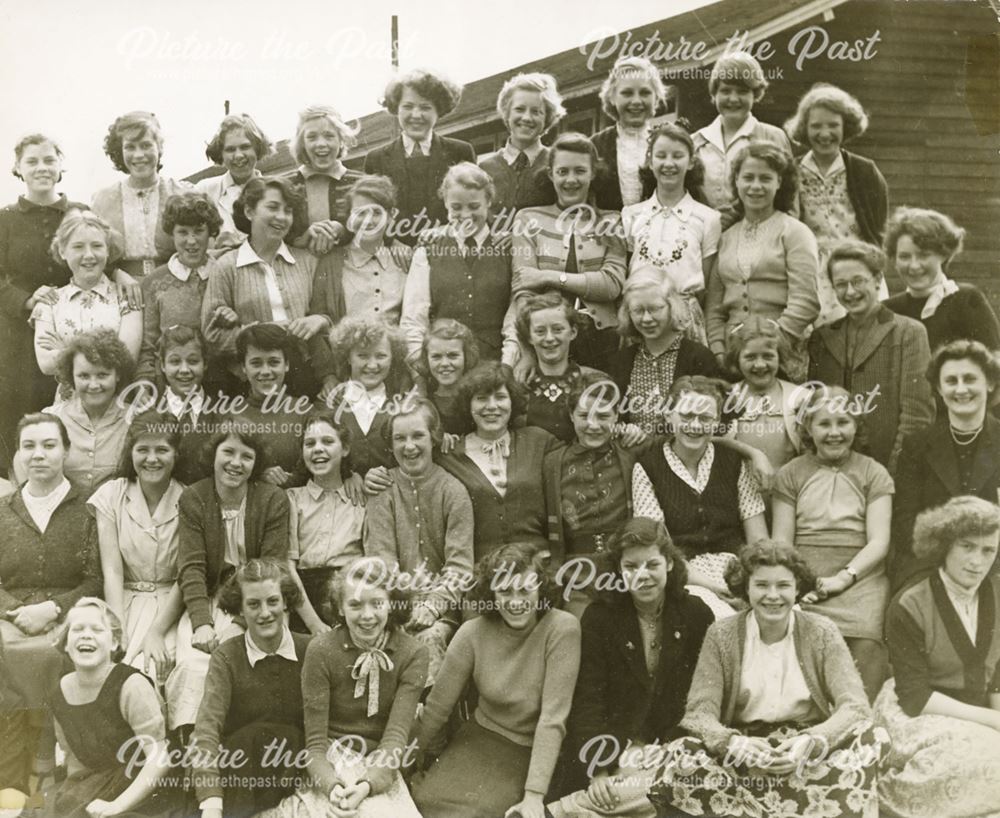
pixel 485 379
pixel 26 142
pixel 679 131
pixel 468 176
pixel 626 68
pixel 816 400
pixel 536 302
pixel 137 123
pixel 780 161
pixel 643 532
pixel 646 281
pixel 574 142
pixel 738 68
pixel 256 189
pixel 237 122
pixel 86 218
pixel 417 406
pixel 101 347
pixel 765 554
pixel 148 424
pixel 367 330
pixel 836 101
pixel 375 572
pixel 938 529
pixel 755 328
pixel 38 418
pixel 331 419
pixel 931 231
pixel 110 618
pixel 266 337
pixel 856 250
pixel 448 329
pixel 177 336
pixel 511 560
pixel 542 84
pixel 964 350
pixel 258 570
pixel 698 385
pixel 191 209
pixel 348 135
pixel 380 189
pixel 242 432
pixel 443 94
pixel 594 386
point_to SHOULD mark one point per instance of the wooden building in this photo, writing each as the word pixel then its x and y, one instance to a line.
pixel 927 71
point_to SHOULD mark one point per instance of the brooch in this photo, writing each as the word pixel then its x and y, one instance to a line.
pixel 630 646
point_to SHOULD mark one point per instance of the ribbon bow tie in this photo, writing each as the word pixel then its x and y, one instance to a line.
pixel 366 669
pixel 497 448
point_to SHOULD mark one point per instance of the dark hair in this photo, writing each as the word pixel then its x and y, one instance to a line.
pixel 442 93
pixel 191 209
pixel 142 121
pixel 147 424
pixel 38 418
pixel 256 189
pixel 376 572
pixel 101 347
pixel 380 189
pixel 856 250
pixel 767 553
pixel 679 131
pixel 574 142
pixel 448 329
pixel 485 379
pixel 938 529
pixel 266 337
pixel 332 419
pixel 508 561
pixel 261 144
pixel 780 161
pixel 836 101
pixel 26 142
pixel 177 336
pixel 241 431
pixel 929 230
pixel 700 385
pixel 594 384
pixel 258 570
pixel 536 302
pixel 645 532
pixel 964 350
pixel 417 406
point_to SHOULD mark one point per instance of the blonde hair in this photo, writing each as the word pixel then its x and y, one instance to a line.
pixel 469 176
pixel 543 84
pixel 348 134
pixel 680 315
pixel 86 218
pixel 739 68
pixel 628 68
pixel 834 99
pixel 110 617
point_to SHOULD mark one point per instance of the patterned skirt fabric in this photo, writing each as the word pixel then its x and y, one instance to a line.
pixel 843 783
pixel 936 766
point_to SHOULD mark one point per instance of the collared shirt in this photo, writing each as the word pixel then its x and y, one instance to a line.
pixel 772 686
pixel 325 529
pixel 77 310
pixel 965 603
pixel 373 282
pixel 364 403
pixel 510 153
pixel 182 273
pixel 224 191
pixel 632 144
pixel 140 213
pixel 425 144
pixel 318 189
pixel 837 166
pixel 716 156
pixel 247 256
pixel 42 508
pixel 491 457
pixel 286 650
pixel 234 520
pixel 193 402
pixel 95 447
pixel 649 384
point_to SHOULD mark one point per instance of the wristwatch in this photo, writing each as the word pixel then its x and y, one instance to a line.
pixel 563 278
pixel 851 573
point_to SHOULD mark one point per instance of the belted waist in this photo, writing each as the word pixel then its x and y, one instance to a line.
pixel 146 587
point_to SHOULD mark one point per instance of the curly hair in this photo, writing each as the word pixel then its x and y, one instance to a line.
pixel 937 529
pixel 85 218
pixel 541 84
pixel 836 101
pixel 644 532
pixel 536 302
pixel 680 315
pixel 347 134
pixel 367 330
pixel 374 572
pixel 256 189
pixel 101 347
pixel 630 68
pixel 964 350
pixel 765 554
pixel 507 562
pixel 678 131
pixel 237 122
pixel 139 123
pixel 738 68
pixel 191 209
pixel 258 570
pixel 856 250
pixel 485 379
pixel 755 328
pixel 26 142
pixel 37 418
pixel 443 94
pixel 448 329
pixel 780 161
pixel 243 432
pixel 148 424
pixel 110 618
pixel 930 230
pixel 468 176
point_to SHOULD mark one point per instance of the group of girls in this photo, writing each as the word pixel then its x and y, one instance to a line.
pixel 558 396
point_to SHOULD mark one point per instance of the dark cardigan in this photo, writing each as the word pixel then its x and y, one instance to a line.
pixel 202 549
pixel 607 186
pixel 966 314
pixel 615 695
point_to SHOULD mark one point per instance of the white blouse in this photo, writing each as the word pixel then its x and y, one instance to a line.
pixel 772 686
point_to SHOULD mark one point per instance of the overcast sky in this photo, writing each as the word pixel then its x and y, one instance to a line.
pixel 69 69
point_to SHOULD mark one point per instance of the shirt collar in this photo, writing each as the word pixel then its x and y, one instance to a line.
pixel 104 289
pixel 358 257
pixel 112 415
pixel 510 153
pixel 356 394
pixel 753 630
pixel 956 591
pixel 25 204
pixel 479 237
pixel 838 166
pixel 682 210
pixel 227 182
pixel 425 144
pixel 286 650
pixel 176 404
pixel 246 255
pixel 316 491
pixel 713 132
pixel 337 171
pixel 183 273
pixel 675 346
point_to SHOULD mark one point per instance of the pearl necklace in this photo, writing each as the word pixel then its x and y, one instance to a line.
pixel 963 437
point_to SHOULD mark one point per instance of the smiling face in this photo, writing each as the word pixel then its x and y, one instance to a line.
pixel 491 413
pixel 920 269
pixel 634 99
pixel 95 384
pixel 412 445
pixel 445 360
pixel 758 363
pixel 322 450
pixel 263 608
pixel 40 167
pixel 733 101
pixel 153 459
pixel 265 370
pixel 964 389
pixel 772 589
pixel 856 287
pixel 271 218
pixel 970 559
pixel 416 114
pixel 669 159
pixel 467 209
pixel 238 155
pixel 594 421
pixel 233 465
pixel 86 254
pixel 645 571
pixel 525 118
pixel 694 418
pixel 365 608
pixel 141 154
pixel 757 184
pixel 184 368
pixel 832 432
pixel 90 642
pixel 370 364
pixel 43 452
pixel 650 313
pixel 322 143
pixel 571 174
pixel 517 599
pixel 550 334
pixel 825 131
pixel 368 218
pixel 191 244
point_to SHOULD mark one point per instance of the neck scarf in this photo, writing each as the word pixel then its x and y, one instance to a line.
pixel 366 669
